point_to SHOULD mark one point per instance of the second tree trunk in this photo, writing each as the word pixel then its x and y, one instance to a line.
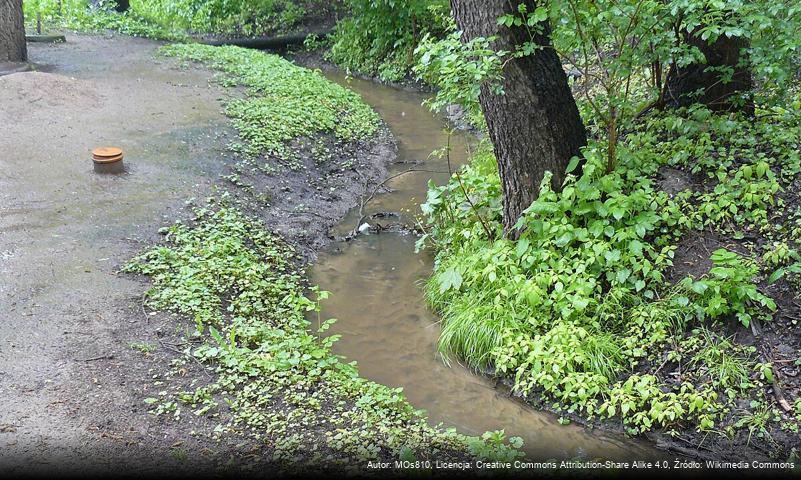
pixel 12 32
pixel 706 83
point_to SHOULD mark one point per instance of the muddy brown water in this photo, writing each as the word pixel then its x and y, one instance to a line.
pixel 376 294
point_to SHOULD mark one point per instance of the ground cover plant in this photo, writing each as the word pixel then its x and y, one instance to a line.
pixel 593 309
pixel 293 124
pixel 379 36
pixel 283 101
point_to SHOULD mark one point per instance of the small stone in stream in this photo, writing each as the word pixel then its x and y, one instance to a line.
pixel 364 228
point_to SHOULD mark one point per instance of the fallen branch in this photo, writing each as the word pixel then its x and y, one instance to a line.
pixel 267 43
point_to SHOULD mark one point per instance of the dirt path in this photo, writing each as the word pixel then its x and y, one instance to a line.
pixel 67 372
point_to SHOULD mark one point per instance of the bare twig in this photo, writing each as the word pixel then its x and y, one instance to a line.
pixel 101 357
pixel 366 200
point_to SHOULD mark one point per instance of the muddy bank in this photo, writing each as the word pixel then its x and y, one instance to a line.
pixel 78 351
pixel 302 203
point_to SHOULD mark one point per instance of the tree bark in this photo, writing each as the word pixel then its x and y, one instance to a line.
pixel 534 125
pixel 119 5
pixel 12 32
pixel 122 6
pixel 698 83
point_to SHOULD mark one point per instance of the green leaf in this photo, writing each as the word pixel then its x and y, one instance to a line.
pixel 216 336
pixel 450 279
pixel 522 246
pixel 573 161
pixel 564 239
pixel 767 371
pixel 775 276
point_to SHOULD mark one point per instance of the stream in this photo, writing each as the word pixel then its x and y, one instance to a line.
pixel 376 280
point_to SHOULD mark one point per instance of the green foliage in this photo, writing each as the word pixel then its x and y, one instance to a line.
pixel 729 288
pixel 458 70
pixel 642 404
pixel 621 53
pixel 78 15
pixel 726 364
pixel 380 36
pixel 241 17
pixel 757 419
pixel 143 347
pixel 173 19
pixel 279 377
pixel 582 298
pixel 284 102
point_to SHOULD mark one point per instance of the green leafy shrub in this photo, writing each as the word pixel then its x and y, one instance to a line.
pixel 172 19
pixel 241 17
pixel 582 299
pixel 729 289
pixel 78 15
pixel 458 70
pixel 379 37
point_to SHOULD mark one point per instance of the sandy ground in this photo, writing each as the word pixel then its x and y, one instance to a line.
pixel 68 377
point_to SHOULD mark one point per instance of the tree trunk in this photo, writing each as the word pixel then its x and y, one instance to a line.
pixel 698 83
pixel 122 6
pixel 119 5
pixel 534 125
pixel 12 32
